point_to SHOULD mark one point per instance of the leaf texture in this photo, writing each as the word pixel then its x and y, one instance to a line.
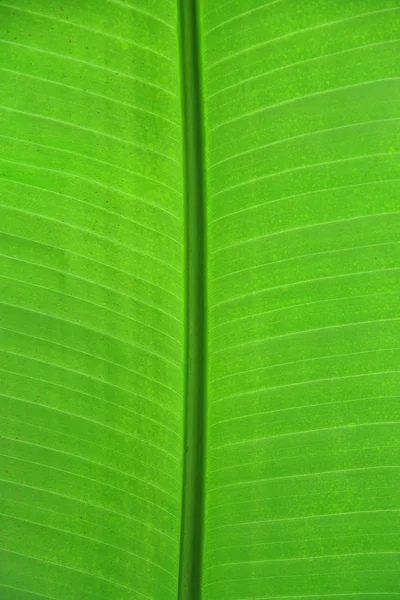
pixel 303 459
pixel 92 280
pixel 103 318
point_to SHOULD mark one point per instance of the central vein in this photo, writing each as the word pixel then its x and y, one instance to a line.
pixel 193 481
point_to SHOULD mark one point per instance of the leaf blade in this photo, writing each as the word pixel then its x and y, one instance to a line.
pixel 92 273
pixel 302 155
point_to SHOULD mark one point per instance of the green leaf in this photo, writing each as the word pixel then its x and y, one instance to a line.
pixel 199 267
pixel 92 276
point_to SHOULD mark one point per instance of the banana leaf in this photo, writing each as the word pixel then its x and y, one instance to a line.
pixel 199 309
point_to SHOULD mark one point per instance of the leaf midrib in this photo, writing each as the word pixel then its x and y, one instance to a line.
pixel 195 365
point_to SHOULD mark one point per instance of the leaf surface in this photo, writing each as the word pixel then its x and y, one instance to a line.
pixel 302 124
pixel 199 324
pixel 92 278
